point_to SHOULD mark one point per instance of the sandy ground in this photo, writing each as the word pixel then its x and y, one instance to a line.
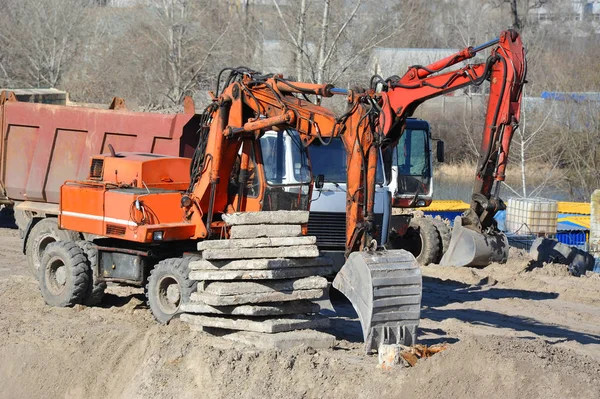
pixel 513 333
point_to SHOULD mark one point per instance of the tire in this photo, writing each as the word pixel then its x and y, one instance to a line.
pixel 166 274
pixel 22 220
pixel 42 234
pixel 421 239
pixel 96 288
pixel 63 274
pixel 444 234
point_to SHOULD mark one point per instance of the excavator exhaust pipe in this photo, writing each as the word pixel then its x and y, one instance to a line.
pixel 471 248
pixel 385 289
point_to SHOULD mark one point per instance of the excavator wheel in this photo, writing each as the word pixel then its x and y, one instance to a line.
pixel 444 234
pixel 96 288
pixel 385 289
pixel 42 234
pixel 64 274
pixel 421 239
pixel 168 287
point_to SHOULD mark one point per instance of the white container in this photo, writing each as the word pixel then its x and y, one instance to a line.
pixel 531 216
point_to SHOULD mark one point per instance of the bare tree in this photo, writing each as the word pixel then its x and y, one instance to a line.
pixel 41 38
pixel 580 133
pixel 519 9
pixel 185 36
pixel 328 44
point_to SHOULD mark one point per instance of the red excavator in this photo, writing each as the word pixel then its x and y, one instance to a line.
pixel 152 211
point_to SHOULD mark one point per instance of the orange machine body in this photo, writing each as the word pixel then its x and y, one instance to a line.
pixel 131 196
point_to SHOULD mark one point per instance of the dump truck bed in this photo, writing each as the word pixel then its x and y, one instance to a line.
pixel 44 145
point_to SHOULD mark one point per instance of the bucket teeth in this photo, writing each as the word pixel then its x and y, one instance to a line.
pixel 385 289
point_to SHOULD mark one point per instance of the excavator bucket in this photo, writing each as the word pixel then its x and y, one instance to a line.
pixel 384 288
pixel 471 248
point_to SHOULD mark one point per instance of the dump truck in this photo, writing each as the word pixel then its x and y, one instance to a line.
pixel 43 145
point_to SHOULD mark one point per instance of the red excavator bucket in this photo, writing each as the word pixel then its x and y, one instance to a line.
pixel 384 288
pixel 471 248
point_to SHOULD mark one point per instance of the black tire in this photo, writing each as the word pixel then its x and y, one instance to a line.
pixel 444 234
pixel 95 291
pixel 421 239
pixel 64 274
pixel 42 234
pixel 169 274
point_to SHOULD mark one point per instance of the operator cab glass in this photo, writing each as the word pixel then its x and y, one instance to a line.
pixel 413 162
pixel 330 161
pixel 287 171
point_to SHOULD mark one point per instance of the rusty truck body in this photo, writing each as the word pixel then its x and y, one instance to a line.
pixel 42 146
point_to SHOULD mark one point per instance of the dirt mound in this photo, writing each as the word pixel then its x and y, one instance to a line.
pixel 504 367
pixel 511 334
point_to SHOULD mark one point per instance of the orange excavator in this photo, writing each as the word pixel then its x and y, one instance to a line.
pixel 150 211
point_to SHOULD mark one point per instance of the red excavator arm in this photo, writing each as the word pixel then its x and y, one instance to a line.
pixel 505 69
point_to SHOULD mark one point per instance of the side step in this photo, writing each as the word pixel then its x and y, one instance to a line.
pixel 385 289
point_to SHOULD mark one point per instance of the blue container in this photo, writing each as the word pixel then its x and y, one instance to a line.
pixel 575 238
pixel 450 215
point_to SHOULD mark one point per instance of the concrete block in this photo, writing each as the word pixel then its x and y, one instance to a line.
pixel 267 309
pixel 259 324
pixel 251 287
pixel 230 300
pixel 257 242
pixel 284 340
pixel 265 230
pixel 297 272
pixel 259 264
pixel 262 217
pixel 303 251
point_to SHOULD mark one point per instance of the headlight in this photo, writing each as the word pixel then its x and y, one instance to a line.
pixel 157 235
pixel 421 202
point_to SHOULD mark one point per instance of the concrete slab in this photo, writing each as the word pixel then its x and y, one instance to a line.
pixel 265 286
pixel 257 242
pixel 267 309
pixel 264 217
pixel 258 324
pixel 230 300
pixel 301 251
pixel 283 340
pixel 297 272
pixel 265 230
pixel 259 264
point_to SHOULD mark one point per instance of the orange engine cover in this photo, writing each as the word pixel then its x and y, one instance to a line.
pixel 142 170
pixel 131 214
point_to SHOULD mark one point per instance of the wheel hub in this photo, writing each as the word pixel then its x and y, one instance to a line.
pixel 169 294
pixel 56 276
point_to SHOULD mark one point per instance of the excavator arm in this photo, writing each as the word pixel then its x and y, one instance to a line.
pixel 252 103
pixel 476 239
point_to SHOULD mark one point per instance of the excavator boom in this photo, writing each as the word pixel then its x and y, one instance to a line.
pixel 476 239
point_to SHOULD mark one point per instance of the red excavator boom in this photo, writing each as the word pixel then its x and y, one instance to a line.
pixel 476 239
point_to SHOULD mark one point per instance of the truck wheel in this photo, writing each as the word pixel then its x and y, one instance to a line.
pixel 444 234
pixel 44 232
pixel 421 239
pixel 168 287
pixel 21 220
pixel 96 288
pixel 63 274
